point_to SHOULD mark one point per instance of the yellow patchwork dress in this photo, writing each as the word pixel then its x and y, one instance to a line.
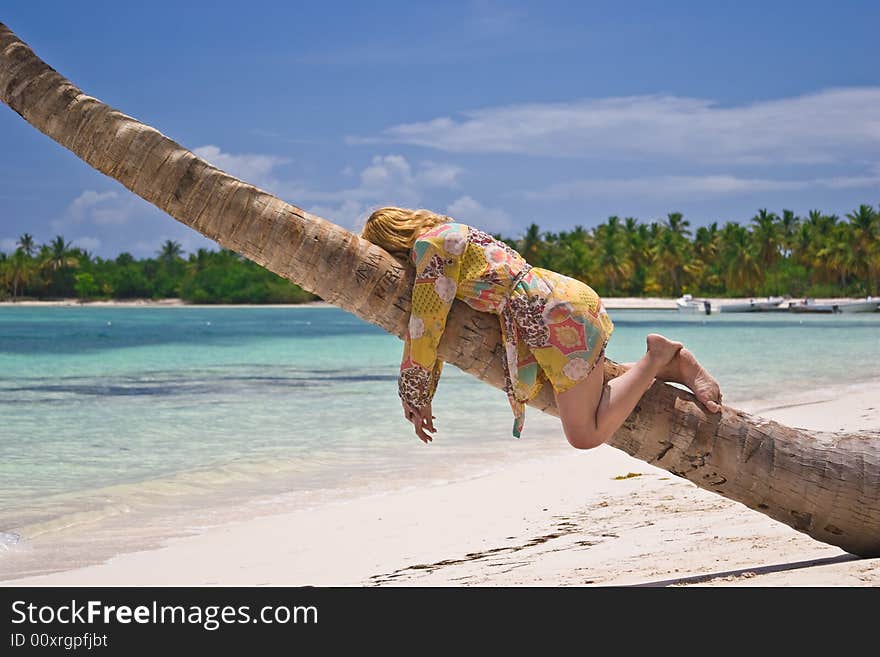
pixel 554 327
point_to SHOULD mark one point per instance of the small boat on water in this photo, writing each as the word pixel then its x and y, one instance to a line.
pixel 751 306
pixel 810 306
pixel 687 304
pixel 868 305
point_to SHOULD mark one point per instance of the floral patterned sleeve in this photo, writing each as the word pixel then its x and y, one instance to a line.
pixel 437 256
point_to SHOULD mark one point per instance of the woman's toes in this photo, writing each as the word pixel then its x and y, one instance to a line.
pixel 709 395
pixel 662 348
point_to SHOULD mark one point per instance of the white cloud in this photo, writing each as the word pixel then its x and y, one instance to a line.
pixel 8 245
pixel 389 177
pixel 87 200
pixel 252 168
pixel 687 187
pixel 348 214
pixel 386 180
pixel 828 126
pixel 871 179
pixel 433 174
pixel 384 172
pixel 107 223
pixel 100 208
pixel 470 211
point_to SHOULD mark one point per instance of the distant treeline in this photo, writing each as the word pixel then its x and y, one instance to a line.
pixel 820 255
pixel 57 270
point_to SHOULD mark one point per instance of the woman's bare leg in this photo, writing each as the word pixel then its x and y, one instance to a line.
pixel 591 412
pixel 687 370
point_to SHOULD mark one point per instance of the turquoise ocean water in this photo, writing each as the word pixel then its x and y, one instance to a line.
pixel 122 425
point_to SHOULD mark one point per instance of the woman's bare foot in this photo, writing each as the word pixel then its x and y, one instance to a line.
pixel 695 377
pixel 662 350
pixel 683 367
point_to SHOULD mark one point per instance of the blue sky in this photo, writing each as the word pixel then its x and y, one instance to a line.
pixel 498 113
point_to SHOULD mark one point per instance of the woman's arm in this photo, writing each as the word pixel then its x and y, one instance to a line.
pixel 421 417
pixel 438 267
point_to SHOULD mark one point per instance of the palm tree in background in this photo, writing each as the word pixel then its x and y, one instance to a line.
pixel 678 225
pixel 766 238
pixel 614 265
pixel 818 233
pixel 57 255
pixel 865 225
pixel 20 272
pixel 530 245
pixel 739 265
pixel 170 251
pixel 671 251
pixel 55 262
pixel 788 227
pixel 26 243
pixel 707 246
pixel 837 254
pixel 638 247
pixel 574 255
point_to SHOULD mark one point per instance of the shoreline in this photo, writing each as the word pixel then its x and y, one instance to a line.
pixel 158 303
pixel 562 518
pixel 611 303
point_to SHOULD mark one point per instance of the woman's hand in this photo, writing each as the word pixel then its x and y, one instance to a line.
pixel 422 420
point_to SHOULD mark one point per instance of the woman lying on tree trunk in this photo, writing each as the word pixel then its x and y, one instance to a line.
pixel 554 328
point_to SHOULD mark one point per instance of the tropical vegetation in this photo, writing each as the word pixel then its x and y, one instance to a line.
pixel 60 270
pixel 820 255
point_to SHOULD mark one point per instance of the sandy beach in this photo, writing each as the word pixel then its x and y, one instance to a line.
pixel 569 517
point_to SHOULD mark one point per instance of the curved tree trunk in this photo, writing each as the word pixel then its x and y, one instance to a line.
pixel 825 485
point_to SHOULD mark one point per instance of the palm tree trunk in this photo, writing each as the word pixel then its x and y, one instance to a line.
pixel 827 486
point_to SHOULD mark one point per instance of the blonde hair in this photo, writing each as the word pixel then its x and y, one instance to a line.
pixel 396 229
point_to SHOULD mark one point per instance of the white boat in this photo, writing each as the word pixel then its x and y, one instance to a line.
pixel 687 304
pixel 752 305
pixel 810 306
pixel 869 305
